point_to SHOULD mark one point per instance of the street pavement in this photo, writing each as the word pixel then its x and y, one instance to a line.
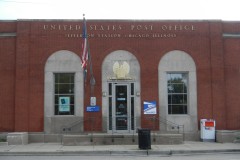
pixel 188 147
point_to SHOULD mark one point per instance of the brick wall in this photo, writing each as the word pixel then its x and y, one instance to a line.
pixel 7 72
pixel 23 59
pixel 232 75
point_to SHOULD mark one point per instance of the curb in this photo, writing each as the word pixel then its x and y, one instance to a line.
pixel 117 153
pixel 189 152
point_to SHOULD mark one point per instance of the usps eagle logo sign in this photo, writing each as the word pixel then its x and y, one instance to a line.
pixel 150 107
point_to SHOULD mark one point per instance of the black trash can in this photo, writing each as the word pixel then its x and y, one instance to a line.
pixel 144 138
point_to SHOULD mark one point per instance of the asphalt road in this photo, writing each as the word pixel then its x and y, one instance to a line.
pixel 217 156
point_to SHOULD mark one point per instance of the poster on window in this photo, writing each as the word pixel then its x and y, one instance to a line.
pixel 64 104
pixel 150 107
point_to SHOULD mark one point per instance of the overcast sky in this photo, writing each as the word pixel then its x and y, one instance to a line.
pixel 121 9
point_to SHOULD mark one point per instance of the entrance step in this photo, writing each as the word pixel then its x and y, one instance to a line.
pixel 119 139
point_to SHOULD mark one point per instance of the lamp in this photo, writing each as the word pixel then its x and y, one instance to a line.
pixel 104 94
pixel 138 93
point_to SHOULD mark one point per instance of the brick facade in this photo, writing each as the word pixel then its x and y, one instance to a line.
pixel 213 45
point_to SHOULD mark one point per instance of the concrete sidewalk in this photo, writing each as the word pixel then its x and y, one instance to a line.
pixel 58 149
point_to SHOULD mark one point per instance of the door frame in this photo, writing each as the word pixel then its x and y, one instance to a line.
pixel 114 116
pixel 132 114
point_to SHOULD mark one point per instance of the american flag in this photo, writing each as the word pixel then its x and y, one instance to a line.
pixel 85 45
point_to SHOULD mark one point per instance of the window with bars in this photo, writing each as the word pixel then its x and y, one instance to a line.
pixel 64 93
pixel 177 84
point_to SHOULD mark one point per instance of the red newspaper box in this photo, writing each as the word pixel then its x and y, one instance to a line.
pixel 208 130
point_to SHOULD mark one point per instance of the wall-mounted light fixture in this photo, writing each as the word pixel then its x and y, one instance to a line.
pixel 138 93
pixel 104 94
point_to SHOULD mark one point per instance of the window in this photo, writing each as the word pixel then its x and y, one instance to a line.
pixel 64 93
pixel 177 84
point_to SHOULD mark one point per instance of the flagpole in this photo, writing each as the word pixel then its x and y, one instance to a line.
pixel 87 56
pixel 84 57
pixel 92 79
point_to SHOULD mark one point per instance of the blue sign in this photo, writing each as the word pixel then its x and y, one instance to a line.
pixel 93 108
pixel 150 107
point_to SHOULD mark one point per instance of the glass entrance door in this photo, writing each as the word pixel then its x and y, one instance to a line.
pixel 121 107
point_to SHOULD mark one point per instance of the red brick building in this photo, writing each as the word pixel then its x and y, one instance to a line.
pixel 180 71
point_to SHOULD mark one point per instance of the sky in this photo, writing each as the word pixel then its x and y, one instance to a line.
pixel 227 10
